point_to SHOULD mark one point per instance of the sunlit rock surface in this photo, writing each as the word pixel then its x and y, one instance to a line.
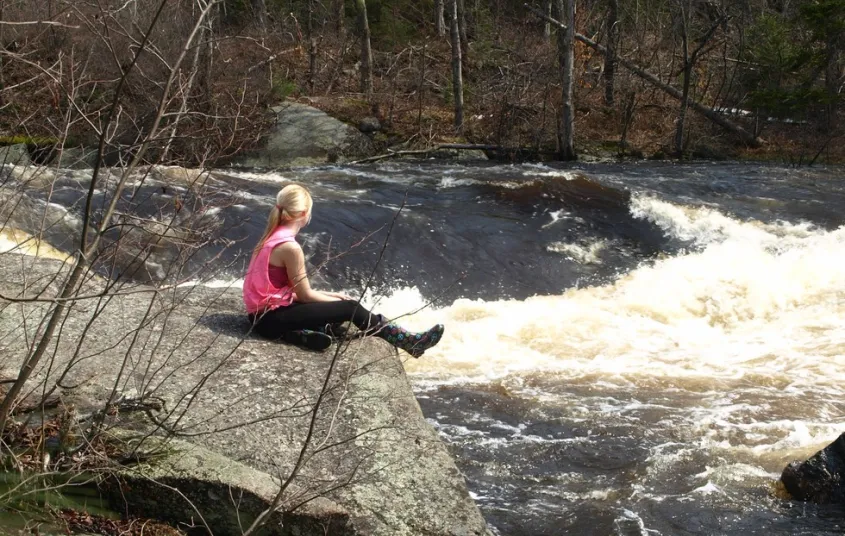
pixel 371 452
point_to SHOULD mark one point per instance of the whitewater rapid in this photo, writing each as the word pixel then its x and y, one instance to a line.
pixel 746 299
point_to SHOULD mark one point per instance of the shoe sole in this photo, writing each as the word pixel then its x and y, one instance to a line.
pixel 306 338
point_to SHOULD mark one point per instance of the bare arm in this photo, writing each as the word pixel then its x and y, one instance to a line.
pixel 291 257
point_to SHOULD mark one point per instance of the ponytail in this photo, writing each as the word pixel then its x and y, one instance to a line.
pixel 291 202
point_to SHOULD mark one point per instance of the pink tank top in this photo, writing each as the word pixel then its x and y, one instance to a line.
pixel 261 292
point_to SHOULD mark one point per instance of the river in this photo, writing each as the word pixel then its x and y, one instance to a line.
pixel 630 349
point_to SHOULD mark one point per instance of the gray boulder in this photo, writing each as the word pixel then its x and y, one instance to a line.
pixel 459 154
pixel 372 454
pixel 821 478
pixel 74 158
pixel 185 482
pixel 17 155
pixel 303 136
pixel 369 124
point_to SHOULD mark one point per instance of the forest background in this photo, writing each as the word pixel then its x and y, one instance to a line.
pixel 497 77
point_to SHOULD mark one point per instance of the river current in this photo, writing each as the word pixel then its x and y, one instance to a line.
pixel 632 349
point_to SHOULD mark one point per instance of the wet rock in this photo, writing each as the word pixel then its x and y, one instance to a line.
pixel 53 223
pixel 608 150
pixel 705 151
pixel 304 135
pixel 74 158
pixel 369 124
pixel 458 154
pixel 143 249
pixel 17 155
pixel 821 478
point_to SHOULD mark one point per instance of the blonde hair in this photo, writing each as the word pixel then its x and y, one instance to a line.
pixel 292 202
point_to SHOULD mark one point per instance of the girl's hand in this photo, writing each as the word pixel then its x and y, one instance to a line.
pixel 340 296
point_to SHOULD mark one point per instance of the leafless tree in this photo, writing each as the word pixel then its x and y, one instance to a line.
pixel 366 49
pixel 612 45
pixel 259 9
pixel 689 59
pixel 112 237
pixel 439 20
pixel 566 59
pixel 457 77
pixel 547 26
pixel 750 139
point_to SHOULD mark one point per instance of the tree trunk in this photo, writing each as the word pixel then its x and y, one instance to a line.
pixel 610 57
pixel 2 77
pixel 547 28
pixel 566 58
pixel 439 21
pixel 339 19
pixel 208 74
pixel 366 51
pixel 312 48
pixel 630 106
pixel 457 80
pixel 420 87
pixel 832 76
pixel 259 9
pixel 682 113
pixel 746 137
pixel 687 71
pixel 462 28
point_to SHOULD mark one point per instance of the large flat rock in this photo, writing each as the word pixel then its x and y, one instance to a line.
pixel 370 450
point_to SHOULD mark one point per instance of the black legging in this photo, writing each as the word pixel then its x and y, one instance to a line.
pixel 273 324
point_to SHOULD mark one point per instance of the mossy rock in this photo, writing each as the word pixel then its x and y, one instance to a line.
pixel 73 158
pixel 30 141
pixel 703 151
pixel 187 485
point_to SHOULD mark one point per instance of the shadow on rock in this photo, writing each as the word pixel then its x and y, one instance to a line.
pixel 230 324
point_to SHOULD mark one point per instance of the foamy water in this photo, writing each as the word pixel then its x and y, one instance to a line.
pixel 689 382
pixel 755 299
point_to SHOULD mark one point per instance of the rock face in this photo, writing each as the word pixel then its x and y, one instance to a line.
pixel 16 155
pixel 305 136
pixel 373 464
pixel 35 217
pixel 369 124
pixel 821 478
pixel 74 158
pixel 207 480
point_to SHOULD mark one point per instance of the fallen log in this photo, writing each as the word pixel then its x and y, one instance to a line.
pixel 454 146
pixel 747 137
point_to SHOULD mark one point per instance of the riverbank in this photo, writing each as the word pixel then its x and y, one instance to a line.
pixel 313 131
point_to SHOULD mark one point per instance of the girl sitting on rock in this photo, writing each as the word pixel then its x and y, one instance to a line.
pixel 281 303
